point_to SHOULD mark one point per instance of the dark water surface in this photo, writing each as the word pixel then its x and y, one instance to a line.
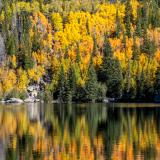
pixel 80 132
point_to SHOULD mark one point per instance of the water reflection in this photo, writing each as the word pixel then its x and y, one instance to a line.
pixel 79 132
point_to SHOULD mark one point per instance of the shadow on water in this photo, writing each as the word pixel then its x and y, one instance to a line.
pixel 80 132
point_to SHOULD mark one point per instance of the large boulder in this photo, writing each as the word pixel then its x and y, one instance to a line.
pixel 14 100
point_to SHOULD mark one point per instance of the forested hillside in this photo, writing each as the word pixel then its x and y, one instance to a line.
pixel 81 49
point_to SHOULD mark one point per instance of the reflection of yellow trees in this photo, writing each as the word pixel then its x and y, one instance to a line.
pixel 144 137
pixel 59 145
pixel 8 124
pixel 77 145
pixel 136 138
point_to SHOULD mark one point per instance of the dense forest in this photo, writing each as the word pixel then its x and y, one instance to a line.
pixel 81 50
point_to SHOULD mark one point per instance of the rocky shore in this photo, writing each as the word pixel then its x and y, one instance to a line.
pixel 32 96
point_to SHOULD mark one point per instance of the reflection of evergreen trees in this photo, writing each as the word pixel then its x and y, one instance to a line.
pixel 121 122
pixel 67 114
pixel 25 144
pixel 112 131
pixel 134 129
pixel 112 123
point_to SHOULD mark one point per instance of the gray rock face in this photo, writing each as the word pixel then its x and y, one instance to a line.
pixel 2 49
pixel 2 44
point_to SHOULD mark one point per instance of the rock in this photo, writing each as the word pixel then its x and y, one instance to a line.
pixel 42 101
pixel 33 91
pixel 14 100
pixel 3 101
pixel 30 88
pixel 33 87
pixel 2 50
pixel 37 100
pixel 29 100
pixel 106 100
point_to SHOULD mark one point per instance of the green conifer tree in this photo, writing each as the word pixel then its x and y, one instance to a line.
pixel 91 83
pixel 128 17
pixel 25 57
pixel 135 50
pixel 124 39
pixel 61 85
pixel 154 14
pixel 118 25
pixel 145 20
pixel 70 85
pixel 157 83
pixel 111 72
pixel 67 85
pixel 67 95
pixel 140 86
pixel 138 30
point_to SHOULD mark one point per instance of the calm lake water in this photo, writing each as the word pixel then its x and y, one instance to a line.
pixel 80 132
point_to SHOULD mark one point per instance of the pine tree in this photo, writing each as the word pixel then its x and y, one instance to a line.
pixel 111 72
pixel 78 91
pixel 149 47
pixel 114 78
pixel 67 95
pixel 8 30
pixel 138 81
pixel 107 49
pixel 41 5
pixel 141 85
pixel 36 41
pixel 70 85
pixel 128 90
pixel 11 44
pixel 80 94
pixel 107 52
pixel 145 20
pixel 154 14
pixel 138 30
pixel 25 54
pixel 128 17
pixel 67 85
pixel 124 39
pixel 118 25
pixel 157 83
pixel 95 46
pixel 91 83
pixel 61 85
pixel 135 50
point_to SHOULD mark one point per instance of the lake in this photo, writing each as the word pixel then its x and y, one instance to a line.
pixel 80 132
